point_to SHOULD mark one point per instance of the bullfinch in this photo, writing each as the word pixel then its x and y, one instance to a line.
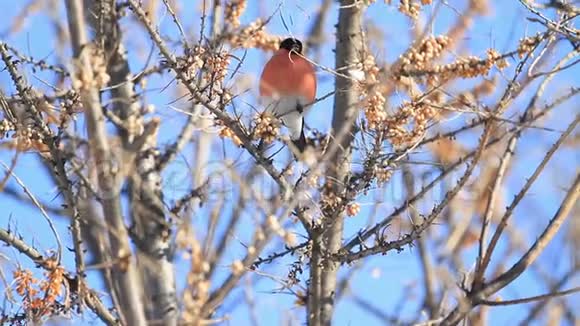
pixel 287 85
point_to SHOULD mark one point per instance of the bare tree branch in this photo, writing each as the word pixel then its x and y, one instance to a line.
pixel 124 275
pixel 529 257
pixel 91 298
pixel 349 42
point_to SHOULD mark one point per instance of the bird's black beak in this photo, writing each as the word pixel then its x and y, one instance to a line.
pixel 296 48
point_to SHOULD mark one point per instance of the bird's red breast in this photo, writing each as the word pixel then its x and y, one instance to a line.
pixel 288 74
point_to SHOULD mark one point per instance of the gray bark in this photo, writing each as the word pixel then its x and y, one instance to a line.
pixel 327 241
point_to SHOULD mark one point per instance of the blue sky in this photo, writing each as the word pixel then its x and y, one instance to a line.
pixel 397 270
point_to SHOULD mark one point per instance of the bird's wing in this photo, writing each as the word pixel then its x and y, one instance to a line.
pixel 293 121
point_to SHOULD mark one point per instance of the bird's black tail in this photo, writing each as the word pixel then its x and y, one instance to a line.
pixel 300 143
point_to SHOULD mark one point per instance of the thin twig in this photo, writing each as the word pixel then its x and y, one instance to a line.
pixel 39 206
pixel 503 222
pixel 531 299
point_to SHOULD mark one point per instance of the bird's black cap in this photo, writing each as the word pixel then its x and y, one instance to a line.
pixel 292 44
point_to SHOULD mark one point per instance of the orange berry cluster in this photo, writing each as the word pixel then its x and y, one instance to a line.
pixel 254 36
pixel 6 127
pixel 214 63
pixel 416 113
pixel 99 64
pixel 24 138
pixel 528 44
pixel 226 132
pixel 233 12
pixel 267 127
pixel 423 52
pixel 198 286
pixel 373 100
pixel 470 66
pixel 39 296
pixel 411 8
pixel 374 105
pixel 352 209
pixel 383 175
pixel 100 78
pixel 191 62
pixel 30 138
pixel 494 58
pixel 217 65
